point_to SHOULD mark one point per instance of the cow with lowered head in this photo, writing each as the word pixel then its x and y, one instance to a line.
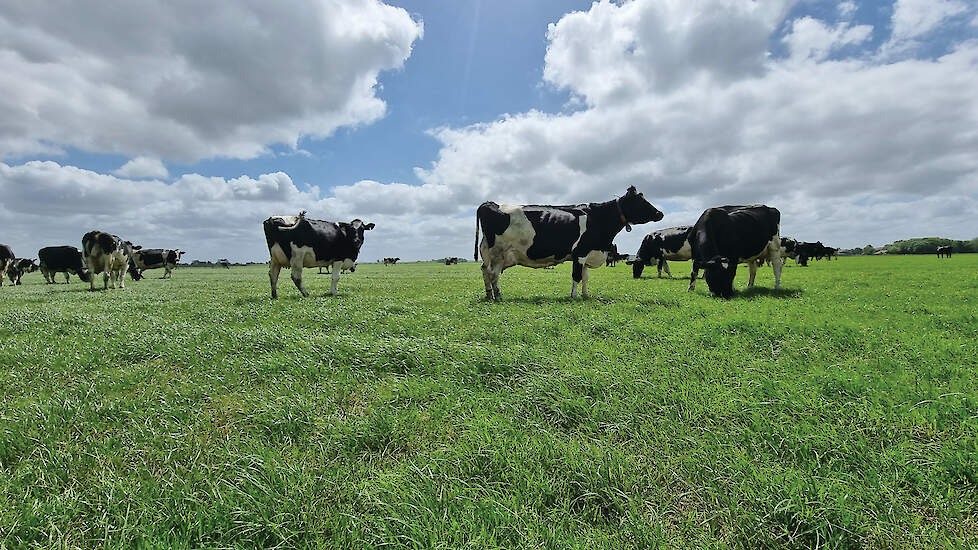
pixel 62 259
pixel 541 236
pixel 6 258
pixel 153 258
pixel 729 235
pixel 297 242
pixel 660 246
pixel 109 255
pixel 17 268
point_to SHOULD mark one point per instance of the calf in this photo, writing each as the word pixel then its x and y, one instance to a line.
pixel 944 251
pixel 728 235
pixel 17 268
pixel 154 258
pixel 109 255
pixel 541 236
pixel 6 258
pixel 297 242
pixel 662 245
pixel 62 259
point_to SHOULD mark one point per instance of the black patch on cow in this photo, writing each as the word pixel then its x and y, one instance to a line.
pixel 6 254
pixel 330 241
pixel 63 259
pixel 556 229
pixel 492 220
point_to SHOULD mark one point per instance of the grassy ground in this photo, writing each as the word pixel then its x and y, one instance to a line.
pixel 841 411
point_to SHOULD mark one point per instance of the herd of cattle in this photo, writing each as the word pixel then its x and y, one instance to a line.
pixel 537 236
pixel 101 253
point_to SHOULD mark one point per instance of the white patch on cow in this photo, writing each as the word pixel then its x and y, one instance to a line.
pixel 685 253
pixel 595 258
pixel 580 233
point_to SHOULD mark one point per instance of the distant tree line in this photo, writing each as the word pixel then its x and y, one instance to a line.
pixel 924 245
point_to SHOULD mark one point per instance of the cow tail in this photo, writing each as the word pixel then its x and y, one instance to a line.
pixel 476 256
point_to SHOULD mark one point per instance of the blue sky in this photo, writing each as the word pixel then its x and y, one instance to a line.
pixel 854 118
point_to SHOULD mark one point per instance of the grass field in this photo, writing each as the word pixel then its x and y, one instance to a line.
pixel 841 411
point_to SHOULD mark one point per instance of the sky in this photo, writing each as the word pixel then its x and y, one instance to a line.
pixel 176 124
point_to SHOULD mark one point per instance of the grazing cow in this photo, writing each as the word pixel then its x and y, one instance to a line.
pixel 153 258
pixel 109 255
pixel 6 258
pixel 62 259
pixel 728 235
pixel 612 258
pixel 944 251
pixel 297 242
pixel 451 261
pixel 17 268
pixel 390 261
pixel 662 245
pixel 540 236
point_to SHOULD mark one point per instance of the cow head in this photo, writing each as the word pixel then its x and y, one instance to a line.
pixel 27 265
pixel 719 273
pixel 359 227
pixel 635 209
pixel 134 271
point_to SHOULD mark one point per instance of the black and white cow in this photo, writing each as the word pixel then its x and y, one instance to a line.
pixel 391 261
pixel 6 258
pixel 17 268
pixel 153 258
pixel 109 255
pixel 729 235
pixel 297 241
pixel 452 261
pixel 944 251
pixel 541 236
pixel 62 259
pixel 660 246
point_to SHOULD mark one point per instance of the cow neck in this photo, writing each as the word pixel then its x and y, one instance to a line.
pixel 613 218
pixel 621 214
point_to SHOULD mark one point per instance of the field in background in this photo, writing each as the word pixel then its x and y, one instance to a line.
pixel 406 411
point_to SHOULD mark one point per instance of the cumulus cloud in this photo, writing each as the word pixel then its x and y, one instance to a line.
pixel 811 38
pixel 185 80
pixel 143 167
pixel 913 18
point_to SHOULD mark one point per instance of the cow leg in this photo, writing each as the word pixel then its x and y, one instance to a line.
pixel 752 266
pixel 273 271
pixel 665 267
pixel 120 275
pixel 337 269
pixel 585 275
pixel 67 282
pixel 577 274
pixel 487 277
pixel 777 263
pixel 297 274
pixel 692 279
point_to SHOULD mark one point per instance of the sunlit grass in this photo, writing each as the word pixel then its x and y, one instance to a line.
pixel 841 410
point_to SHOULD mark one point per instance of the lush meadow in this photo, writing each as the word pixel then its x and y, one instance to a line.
pixel 841 411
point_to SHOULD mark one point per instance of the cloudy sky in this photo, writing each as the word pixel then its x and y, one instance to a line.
pixel 179 124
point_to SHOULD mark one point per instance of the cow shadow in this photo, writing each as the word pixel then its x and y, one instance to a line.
pixel 767 292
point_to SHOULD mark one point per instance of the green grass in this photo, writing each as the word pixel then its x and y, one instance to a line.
pixel 841 411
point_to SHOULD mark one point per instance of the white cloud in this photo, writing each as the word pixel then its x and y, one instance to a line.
pixel 143 167
pixel 186 81
pixel 846 9
pixel 811 38
pixel 913 18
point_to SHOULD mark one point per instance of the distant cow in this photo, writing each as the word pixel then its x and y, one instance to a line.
pixel 662 245
pixel 540 236
pixel 62 259
pixel 728 235
pixel 153 258
pixel 224 262
pixel 944 251
pixel 109 255
pixel 452 261
pixel 297 241
pixel 6 258
pixel 390 261
pixel 17 268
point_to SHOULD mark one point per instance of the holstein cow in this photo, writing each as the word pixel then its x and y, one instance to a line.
pixel 6 258
pixel 944 251
pixel 452 261
pixel 62 259
pixel 728 235
pixel 390 261
pixel 154 258
pixel 109 255
pixel 662 245
pixel 297 242
pixel 17 268
pixel 541 236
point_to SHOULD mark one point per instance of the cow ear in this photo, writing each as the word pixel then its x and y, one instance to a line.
pixel 369 226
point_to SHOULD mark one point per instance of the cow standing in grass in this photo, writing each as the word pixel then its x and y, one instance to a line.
pixel 62 259
pixel 17 268
pixel 154 258
pixel 944 251
pixel 660 246
pixel 109 255
pixel 541 236
pixel 297 242
pixel 728 235
pixel 6 258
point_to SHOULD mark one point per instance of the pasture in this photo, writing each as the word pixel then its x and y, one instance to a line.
pixel 840 411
